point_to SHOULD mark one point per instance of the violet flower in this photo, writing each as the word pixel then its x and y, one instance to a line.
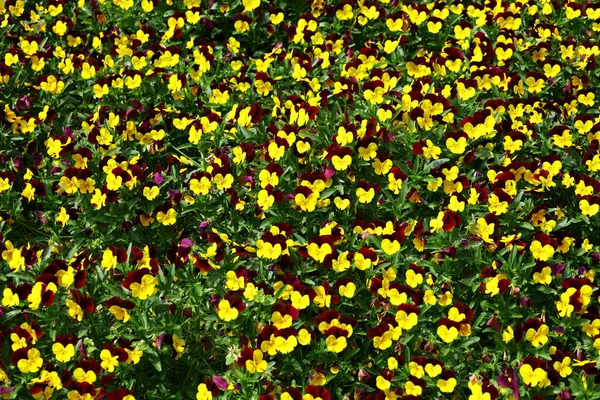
pixel 508 379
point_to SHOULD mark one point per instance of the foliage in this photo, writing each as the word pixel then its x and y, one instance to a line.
pixel 299 200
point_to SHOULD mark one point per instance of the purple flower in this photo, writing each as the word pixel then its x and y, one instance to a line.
pixel 203 224
pixel 450 251
pixel 558 268
pixel 220 382
pixel 159 340
pixel 173 194
pixel 363 375
pixel 564 395
pixel 214 299
pixel 494 323
pixel 81 349
pixel 37 159
pixel 4 390
pixel 508 379
pixel 327 170
pixel 186 242
pixel 17 161
pixel 24 103
pixel 526 302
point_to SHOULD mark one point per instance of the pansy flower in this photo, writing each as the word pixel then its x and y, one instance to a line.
pixel 119 308
pixel 64 348
pixel 142 283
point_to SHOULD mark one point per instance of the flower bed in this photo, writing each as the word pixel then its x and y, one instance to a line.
pixel 299 200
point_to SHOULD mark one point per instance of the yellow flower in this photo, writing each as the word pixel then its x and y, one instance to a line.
pixel 75 395
pixel 200 187
pixel 178 344
pixel 437 224
pixel 413 279
pixel 9 299
pixel 32 363
pixel 120 313
pixel 587 209
pixel 318 253
pixel 365 196
pixel 265 200
pixel 544 277
pixel 98 200
pixel 390 247
pixel 382 383
pixel 304 337
pixel 542 253
pixel 538 337
pixel 226 312
pixel 300 301
pixel 456 146
pixel 203 392
pixel 348 290
pixel 448 335
pixel 28 192
pixel 530 376
pixel 341 163
pixel 134 356
pixel 52 85
pixel 508 334
pixel 334 344
pixel 75 310
pixel 563 367
pixel 446 298
pixel 433 370
pixel 446 385
pixel 429 297
pixel 167 219
pixel 322 299
pixel 109 362
pixel 60 28
pixel 257 364
pixel 80 375
pixel 286 346
pixel 413 389
pixel 406 321
pixel 250 5
pixel 146 288
pixel 63 353
pixel 384 341
pixel 268 250
pixel 29 48
pixel 150 193
pixel 109 260
pixel 496 206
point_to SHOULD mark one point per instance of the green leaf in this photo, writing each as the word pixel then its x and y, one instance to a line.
pixel 155 360
pixel 546 289
pixel 349 354
pixel 434 164
pixel 472 340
